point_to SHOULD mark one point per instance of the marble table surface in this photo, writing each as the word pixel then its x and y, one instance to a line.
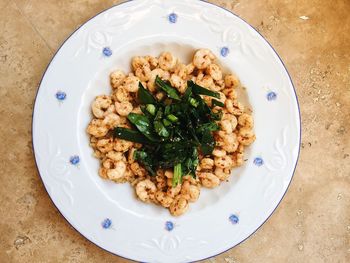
pixel 312 224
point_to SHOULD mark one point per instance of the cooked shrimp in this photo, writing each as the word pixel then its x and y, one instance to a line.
pixel 222 174
pixel 138 170
pixel 97 128
pixel 246 120
pixel 226 126
pixel 116 156
pixel 145 190
pixel 206 82
pixel 164 199
pixel 121 145
pixel 121 94
pixel 231 118
pixel 167 61
pixel 178 83
pixel 117 78
pixel 105 145
pixel 230 93
pixel 100 105
pixel 223 162
pixel 233 107
pixel 111 120
pixel 117 173
pixel 123 108
pixel 207 163
pixel 139 62
pixel 246 136
pixel 153 61
pixel 190 192
pixel 131 83
pixel 209 180
pixel 174 191
pixel 203 58
pixel 217 152
pixel 214 71
pixel 231 81
pixel 179 206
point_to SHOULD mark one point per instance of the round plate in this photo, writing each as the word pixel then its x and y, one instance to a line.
pixel 108 214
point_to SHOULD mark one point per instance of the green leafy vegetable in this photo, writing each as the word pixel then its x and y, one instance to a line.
pixel 202 91
pixel 208 143
pixel 151 109
pixel 130 135
pixel 172 93
pixel 143 124
pixel 144 96
pixel 173 131
pixel 145 159
pixel 217 103
pixel 172 118
pixel 177 174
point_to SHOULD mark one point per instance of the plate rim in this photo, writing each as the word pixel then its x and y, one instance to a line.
pixel 231 13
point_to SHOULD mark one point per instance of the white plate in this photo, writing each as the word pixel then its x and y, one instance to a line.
pixel 108 214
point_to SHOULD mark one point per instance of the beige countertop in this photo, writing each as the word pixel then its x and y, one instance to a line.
pixel 312 224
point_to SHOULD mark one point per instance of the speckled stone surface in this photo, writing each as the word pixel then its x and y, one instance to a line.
pixel 312 224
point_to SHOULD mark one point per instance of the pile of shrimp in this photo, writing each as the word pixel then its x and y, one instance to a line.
pixel 117 155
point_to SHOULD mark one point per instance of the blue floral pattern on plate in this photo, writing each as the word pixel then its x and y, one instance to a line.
pixel 172 18
pixel 271 96
pixel 169 225
pixel 107 51
pixel 224 51
pixel 234 219
pixel 258 161
pixel 60 95
pixel 107 223
pixel 74 160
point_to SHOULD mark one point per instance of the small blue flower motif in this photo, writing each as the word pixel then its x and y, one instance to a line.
pixel 169 225
pixel 224 51
pixel 60 95
pixel 271 96
pixel 107 223
pixel 172 18
pixel 258 161
pixel 234 219
pixel 74 160
pixel 107 52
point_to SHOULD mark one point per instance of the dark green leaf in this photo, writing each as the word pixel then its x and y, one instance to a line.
pixel 202 91
pixel 207 143
pixel 144 125
pixel 172 93
pixel 210 126
pixel 187 94
pixel 130 135
pixel 144 96
pixel 217 103
pixel 146 160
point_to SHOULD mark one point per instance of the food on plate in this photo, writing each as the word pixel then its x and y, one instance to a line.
pixel 170 128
